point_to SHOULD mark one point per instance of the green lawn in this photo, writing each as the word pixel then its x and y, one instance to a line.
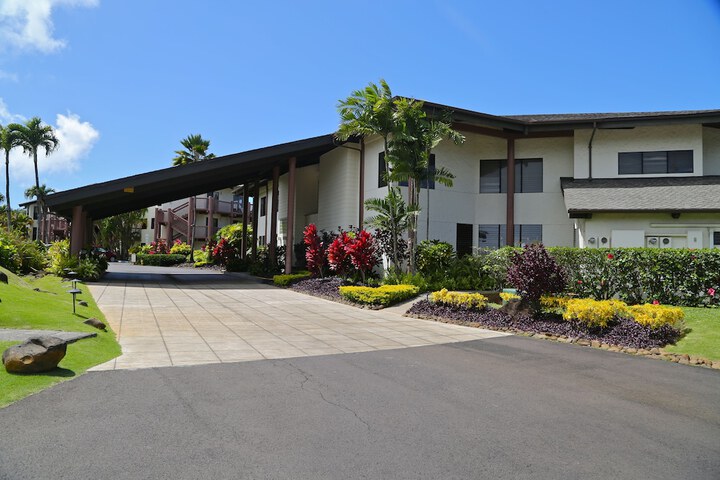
pixel 50 309
pixel 703 340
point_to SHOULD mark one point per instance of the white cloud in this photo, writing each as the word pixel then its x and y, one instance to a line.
pixel 9 76
pixel 7 117
pixel 27 24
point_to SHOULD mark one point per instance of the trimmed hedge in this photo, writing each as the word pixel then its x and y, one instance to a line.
pixel 637 275
pixel 287 280
pixel 381 296
pixel 161 260
pixel 472 301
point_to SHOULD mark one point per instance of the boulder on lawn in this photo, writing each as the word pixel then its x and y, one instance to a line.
pixel 94 322
pixel 35 355
pixel 82 303
pixel 518 306
pixel 3 277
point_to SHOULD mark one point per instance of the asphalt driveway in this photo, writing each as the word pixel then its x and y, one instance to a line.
pixel 501 408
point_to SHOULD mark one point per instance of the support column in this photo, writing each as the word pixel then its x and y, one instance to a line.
pixel 211 217
pixel 290 215
pixel 191 221
pixel 89 231
pixel 245 208
pixel 361 196
pixel 156 230
pixel 273 214
pixel 168 231
pixel 255 215
pixel 76 230
pixel 510 208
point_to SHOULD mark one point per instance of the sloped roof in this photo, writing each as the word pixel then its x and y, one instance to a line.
pixel 674 194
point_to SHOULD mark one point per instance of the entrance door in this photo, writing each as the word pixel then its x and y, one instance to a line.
pixel 464 239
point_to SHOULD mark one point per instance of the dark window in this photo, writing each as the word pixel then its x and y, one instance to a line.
pixel 263 206
pixel 641 163
pixel 143 224
pixel 35 213
pixel 382 181
pixel 716 238
pixel 493 236
pixel 34 233
pixel 152 223
pixel 528 176
pixel 463 239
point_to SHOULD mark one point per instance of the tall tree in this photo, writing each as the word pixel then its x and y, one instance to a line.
pixel 8 140
pixel 120 232
pixel 32 136
pixel 40 193
pixel 196 150
pixel 392 216
pixel 413 139
pixel 368 112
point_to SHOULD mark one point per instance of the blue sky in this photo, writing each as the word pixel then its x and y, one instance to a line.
pixel 125 80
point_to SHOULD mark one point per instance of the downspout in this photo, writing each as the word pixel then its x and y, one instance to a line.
pixel 592 136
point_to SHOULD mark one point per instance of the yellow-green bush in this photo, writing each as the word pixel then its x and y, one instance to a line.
pixel 286 280
pixel 506 297
pixel 460 299
pixel 384 295
pixel 655 316
pixel 553 303
pixel 594 313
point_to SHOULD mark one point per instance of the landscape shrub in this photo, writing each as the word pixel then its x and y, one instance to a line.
pixel 88 269
pixel 506 296
pixel 180 248
pixel 316 251
pixel 9 257
pixel 396 277
pixel 223 252
pixel 534 273
pixel 470 301
pixel 594 313
pixel 363 253
pixel 287 280
pixel 379 296
pixel 550 302
pixel 160 260
pixel 434 258
pixel 337 254
pixel 158 247
pixel 262 266
pixel 59 258
pixel 655 316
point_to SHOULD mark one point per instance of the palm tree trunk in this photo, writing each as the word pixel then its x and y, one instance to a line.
pixel 40 203
pixel 412 225
pixel 7 190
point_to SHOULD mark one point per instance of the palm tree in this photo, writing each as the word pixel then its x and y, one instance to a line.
pixel 8 140
pixel 40 193
pixel 32 136
pixel 119 232
pixel 368 112
pixel 414 138
pixel 393 216
pixel 195 150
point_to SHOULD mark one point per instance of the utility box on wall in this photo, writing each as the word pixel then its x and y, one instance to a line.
pixel 627 238
pixel 695 239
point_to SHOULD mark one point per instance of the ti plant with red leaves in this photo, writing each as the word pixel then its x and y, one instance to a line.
pixel 337 254
pixel 315 250
pixel 363 253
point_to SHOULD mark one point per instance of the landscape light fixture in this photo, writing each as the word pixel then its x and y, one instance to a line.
pixel 74 292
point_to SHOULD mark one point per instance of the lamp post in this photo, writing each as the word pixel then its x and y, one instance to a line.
pixel 74 292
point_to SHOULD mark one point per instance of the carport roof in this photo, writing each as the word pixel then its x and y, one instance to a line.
pixel 153 188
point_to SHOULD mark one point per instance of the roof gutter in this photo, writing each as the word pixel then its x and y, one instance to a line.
pixel 592 136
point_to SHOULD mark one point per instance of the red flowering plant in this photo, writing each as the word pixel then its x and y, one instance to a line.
pixel 158 248
pixel 363 253
pixel 224 252
pixel 315 250
pixel 337 253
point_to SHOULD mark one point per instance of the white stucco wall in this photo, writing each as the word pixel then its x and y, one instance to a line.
pixel 608 143
pixel 338 195
pixel 711 151
pixel 652 224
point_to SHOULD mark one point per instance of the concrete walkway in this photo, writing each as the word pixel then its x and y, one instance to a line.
pixel 177 316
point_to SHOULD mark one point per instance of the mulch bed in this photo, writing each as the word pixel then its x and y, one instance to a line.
pixel 329 289
pixel 622 333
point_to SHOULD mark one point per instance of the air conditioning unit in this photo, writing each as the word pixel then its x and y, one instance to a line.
pixel 652 242
pixel 665 242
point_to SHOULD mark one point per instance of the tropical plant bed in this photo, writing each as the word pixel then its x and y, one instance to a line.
pixel 622 334
pixel 329 289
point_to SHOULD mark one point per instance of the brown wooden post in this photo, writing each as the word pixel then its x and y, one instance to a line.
pixel 191 220
pixel 273 214
pixel 156 230
pixel 245 208
pixel 510 208
pixel 361 196
pixel 76 230
pixel 210 217
pixel 255 215
pixel 290 215
pixel 168 230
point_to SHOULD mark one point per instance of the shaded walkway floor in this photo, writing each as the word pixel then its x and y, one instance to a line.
pixel 178 317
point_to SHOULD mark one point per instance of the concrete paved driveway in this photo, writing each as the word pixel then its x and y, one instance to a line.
pixel 179 316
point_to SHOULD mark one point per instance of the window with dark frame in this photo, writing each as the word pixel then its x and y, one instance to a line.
pixel 263 206
pixel 152 224
pixel 528 176
pixel 493 236
pixel 659 162
pixel 382 181
pixel 716 239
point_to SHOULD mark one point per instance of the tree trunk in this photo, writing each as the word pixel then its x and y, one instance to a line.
pixel 7 190
pixel 412 225
pixel 40 200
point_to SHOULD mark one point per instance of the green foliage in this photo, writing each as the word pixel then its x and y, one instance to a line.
pixel 287 280
pixel 380 296
pixel 470 301
pixel 160 259
pixel 195 150
pixel 88 269
pixel 434 258
pixel 59 258
pixel 262 265
pixel 201 258
pixel 120 232
pixel 9 257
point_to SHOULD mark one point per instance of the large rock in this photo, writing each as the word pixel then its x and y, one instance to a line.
pixel 517 306
pixel 35 355
pixel 3 277
pixel 94 322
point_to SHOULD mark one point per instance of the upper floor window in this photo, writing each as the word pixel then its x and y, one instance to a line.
pixel 493 236
pixel 382 181
pixel 642 163
pixel 528 176
pixel 263 206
